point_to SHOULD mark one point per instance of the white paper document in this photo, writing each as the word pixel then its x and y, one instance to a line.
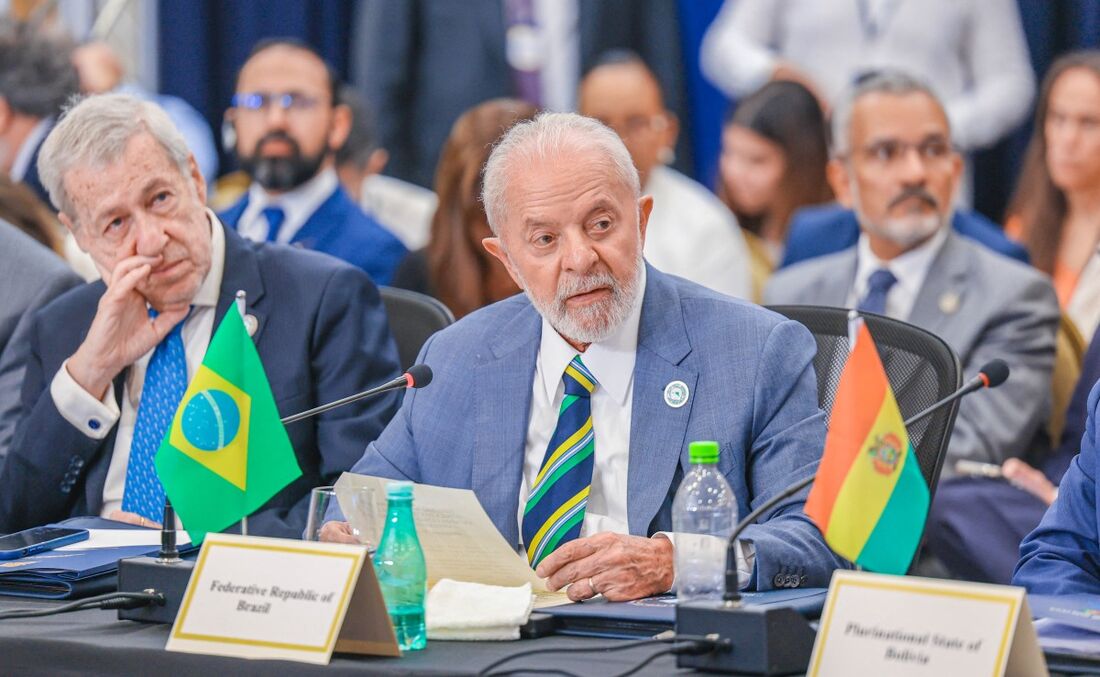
pixel 115 538
pixel 459 540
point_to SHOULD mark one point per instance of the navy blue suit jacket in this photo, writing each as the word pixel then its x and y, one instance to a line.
pixel 817 231
pixel 31 179
pixel 340 228
pixel 322 335
pixel 752 388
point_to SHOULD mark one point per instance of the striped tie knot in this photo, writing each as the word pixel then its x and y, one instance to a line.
pixel 578 380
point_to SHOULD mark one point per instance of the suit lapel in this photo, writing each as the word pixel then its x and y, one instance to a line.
pixel 832 289
pixel 657 429
pixel 941 295
pixel 319 226
pixel 241 272
pixel 503 395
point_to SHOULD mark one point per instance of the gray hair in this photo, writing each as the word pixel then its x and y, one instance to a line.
pixel 94 131
pixel 893 82
pixel 551 134
pixel 36 70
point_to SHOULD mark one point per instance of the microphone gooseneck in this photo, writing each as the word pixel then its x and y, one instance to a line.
pixel 418 376
pixel 991 375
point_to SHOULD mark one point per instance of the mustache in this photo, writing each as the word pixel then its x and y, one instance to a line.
pixel 279 135
pixel 915 192
pixel 572 286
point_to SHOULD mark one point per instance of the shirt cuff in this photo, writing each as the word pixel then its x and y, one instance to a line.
pixel 93 417
pixel 745 553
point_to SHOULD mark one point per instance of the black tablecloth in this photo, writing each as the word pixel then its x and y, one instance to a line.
pixel 96 643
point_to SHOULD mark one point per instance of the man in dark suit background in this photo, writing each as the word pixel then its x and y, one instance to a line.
pixel 288 124
pixel 36 77
pixel 422 63
pixel 109 361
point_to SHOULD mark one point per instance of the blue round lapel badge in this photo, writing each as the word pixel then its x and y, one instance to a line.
pixel 676 394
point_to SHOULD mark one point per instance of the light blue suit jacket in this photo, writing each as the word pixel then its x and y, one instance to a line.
pixel 752 388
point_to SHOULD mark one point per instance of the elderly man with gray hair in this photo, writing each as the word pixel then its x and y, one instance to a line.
pixel 109 361
pixel 568 409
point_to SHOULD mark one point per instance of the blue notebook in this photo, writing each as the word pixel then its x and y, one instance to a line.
pixel 647 617
pixel 71 574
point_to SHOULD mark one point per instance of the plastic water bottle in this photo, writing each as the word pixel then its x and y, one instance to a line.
pixel 704 513
pixel 402 574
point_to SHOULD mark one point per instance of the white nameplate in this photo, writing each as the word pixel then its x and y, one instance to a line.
pixel 902 625
pixel 253 597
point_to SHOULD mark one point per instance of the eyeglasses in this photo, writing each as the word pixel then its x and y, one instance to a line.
pixel 891 152
pixel 292 102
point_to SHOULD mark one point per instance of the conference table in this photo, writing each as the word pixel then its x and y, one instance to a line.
pixel 95 642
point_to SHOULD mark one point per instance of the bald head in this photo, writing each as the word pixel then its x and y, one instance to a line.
pixel 626 96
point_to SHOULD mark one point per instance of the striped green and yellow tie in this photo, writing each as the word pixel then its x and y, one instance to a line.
pixel 555 506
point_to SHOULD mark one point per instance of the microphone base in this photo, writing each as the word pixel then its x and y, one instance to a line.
pixel 763 640
pixel 141 574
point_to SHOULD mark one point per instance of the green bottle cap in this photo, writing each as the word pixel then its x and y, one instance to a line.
pixel 399 490
pixel 703 452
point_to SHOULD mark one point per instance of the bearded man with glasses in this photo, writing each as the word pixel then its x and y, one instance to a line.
pixel 285 125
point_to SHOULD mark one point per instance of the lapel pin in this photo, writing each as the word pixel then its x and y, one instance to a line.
pixel 251 324
pixel 676 394
pixel 949 302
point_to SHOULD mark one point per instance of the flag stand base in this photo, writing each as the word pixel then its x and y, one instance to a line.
pixel 145 574
pixel 763 640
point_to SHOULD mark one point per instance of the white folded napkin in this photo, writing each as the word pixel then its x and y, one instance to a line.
pixel 473 611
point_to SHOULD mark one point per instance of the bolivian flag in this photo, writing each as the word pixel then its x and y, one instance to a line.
pixel 869 498
pixel 226 452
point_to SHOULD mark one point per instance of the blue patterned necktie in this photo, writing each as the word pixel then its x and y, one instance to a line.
pixel 878 286
pixel 275 217
pixel 165 383
pixel 555 506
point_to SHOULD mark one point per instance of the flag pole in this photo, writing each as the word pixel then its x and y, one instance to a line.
pixel 241 298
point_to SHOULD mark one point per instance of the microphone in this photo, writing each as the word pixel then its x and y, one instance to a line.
pixel 418 376
pixel 751 628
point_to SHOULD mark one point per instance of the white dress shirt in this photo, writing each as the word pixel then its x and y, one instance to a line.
pixel 910 269
pixel 973 52
pixel 693 235
pixel 22 161
pixel 297 205
pixel 612 363
pixel 95 418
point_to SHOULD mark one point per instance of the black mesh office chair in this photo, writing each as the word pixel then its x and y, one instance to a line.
pixel 413 318
pixel 921 368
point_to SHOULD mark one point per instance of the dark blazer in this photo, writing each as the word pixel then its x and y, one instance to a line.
pixel 422 63
pixel 31 179
pixel 752 388
pixel 341 229
pixel 322 335
pixel 817 231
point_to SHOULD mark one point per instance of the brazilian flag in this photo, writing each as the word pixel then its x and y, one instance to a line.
pixel 226 452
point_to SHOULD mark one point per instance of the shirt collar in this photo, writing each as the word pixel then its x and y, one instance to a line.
pixel 909 268
pixel 611 361
pixel 210 289
pixel 22 162
pixel 298 204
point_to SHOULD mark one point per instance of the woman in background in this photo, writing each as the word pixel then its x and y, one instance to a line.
pixel 454 267
pixel 774 152
pixel 1055 212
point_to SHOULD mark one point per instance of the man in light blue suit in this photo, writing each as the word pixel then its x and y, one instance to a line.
pixel 653 362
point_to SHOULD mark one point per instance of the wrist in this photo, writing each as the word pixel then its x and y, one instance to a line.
pixel 665 551
pixel 94 381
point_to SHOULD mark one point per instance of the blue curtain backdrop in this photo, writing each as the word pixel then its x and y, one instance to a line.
pixel 204 42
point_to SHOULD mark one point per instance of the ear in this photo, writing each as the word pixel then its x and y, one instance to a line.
pixel 196 177
pixel 341 127
pixel 840 180
pixel 645 208
pixel 494 246
pixel 229 131
pixel 672 129
pixel 5 114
